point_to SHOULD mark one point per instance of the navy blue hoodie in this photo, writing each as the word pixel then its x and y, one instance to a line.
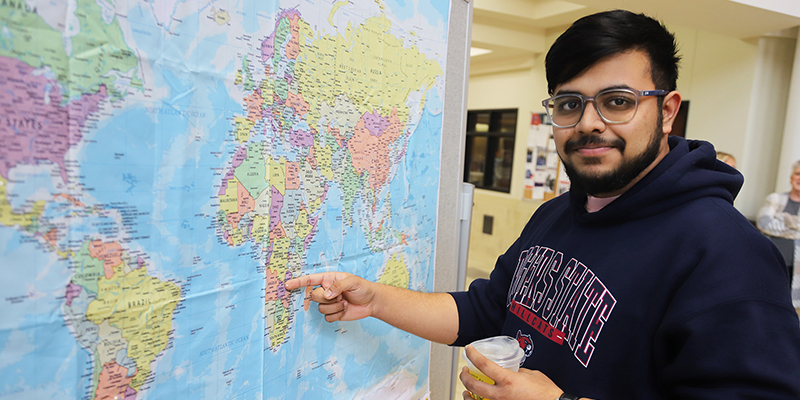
pixel 667 292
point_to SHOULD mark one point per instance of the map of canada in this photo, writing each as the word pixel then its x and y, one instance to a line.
pixel 167 165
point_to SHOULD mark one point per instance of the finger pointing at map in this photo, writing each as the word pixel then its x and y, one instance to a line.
pixel 341 296
pixel 346 297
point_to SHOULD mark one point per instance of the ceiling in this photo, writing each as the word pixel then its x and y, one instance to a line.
pixel 515 30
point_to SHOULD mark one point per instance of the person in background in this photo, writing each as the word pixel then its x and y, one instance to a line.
pixel 779 219
pixel 726 158
pixel 642 281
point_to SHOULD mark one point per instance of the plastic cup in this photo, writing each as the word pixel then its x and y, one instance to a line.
pixel 503 350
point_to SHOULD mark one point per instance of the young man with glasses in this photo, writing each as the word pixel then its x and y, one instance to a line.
pixel 643 282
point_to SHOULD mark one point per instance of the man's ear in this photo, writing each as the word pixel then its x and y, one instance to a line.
pixel 669 110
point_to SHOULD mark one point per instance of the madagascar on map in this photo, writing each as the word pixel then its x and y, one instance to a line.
pixel 166 165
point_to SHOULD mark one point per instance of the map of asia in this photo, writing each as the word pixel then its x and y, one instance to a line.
pixel 166 165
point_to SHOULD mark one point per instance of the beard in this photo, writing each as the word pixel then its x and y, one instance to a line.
pixel 619 177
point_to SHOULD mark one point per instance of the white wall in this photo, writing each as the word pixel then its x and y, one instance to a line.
pixel 717 78
pixel 763 151
pixel 790 146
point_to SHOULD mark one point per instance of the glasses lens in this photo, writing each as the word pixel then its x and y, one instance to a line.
pixel 616 106
pixel 565 110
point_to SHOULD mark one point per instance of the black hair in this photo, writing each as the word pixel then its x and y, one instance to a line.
pixel 604 34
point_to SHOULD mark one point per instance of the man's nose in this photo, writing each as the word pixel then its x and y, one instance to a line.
pixel 590 120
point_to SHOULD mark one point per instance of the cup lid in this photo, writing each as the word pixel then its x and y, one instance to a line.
pixel 500 349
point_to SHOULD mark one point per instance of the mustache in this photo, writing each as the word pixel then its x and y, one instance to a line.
pixel 585 140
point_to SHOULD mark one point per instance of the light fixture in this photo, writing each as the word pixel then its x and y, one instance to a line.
pixel 476 51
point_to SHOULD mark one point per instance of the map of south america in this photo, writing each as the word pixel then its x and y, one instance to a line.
pixel 48 95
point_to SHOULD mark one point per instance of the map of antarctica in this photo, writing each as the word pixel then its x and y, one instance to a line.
pixel 166 165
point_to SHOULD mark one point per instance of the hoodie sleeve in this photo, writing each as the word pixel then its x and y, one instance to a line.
pixel 730 331
pixel 711 363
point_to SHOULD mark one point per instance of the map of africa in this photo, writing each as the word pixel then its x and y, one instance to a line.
pixel 166 165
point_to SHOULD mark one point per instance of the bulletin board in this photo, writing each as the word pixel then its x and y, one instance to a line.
pixel 545 177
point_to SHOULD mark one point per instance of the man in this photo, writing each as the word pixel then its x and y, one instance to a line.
pixel 727 158
pixel 779 219
pixel 642 282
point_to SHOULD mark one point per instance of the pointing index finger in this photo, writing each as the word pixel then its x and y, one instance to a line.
pixel 304 281
pixel 324 279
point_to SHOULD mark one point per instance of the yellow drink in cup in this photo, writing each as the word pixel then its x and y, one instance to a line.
pixel 503 350
pixel 481 377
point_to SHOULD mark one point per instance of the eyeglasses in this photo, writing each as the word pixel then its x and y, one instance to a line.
pixel 614 106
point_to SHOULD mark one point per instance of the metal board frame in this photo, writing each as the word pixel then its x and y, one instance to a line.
pixel 447 277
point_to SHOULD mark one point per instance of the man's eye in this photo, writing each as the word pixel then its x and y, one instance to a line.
pixel 569 105
pixel 619 103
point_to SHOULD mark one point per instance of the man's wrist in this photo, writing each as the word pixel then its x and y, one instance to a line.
pixel 567 396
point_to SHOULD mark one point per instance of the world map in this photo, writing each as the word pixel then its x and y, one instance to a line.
pixel 167 165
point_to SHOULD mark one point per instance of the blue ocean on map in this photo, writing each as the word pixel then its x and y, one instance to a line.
pixel 37 307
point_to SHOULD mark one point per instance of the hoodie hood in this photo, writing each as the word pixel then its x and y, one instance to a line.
pixel 688 172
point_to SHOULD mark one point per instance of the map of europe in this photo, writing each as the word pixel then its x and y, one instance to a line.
pixel 166 165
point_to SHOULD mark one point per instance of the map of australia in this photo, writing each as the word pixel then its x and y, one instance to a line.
pixel 166 167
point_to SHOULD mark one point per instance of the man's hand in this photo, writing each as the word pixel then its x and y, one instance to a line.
pixel 341 296
pixel 508 385
pixel 791 221
pixel 346 297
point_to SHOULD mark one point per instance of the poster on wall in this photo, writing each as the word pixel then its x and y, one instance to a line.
pixel 545 177
pixel 166 166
